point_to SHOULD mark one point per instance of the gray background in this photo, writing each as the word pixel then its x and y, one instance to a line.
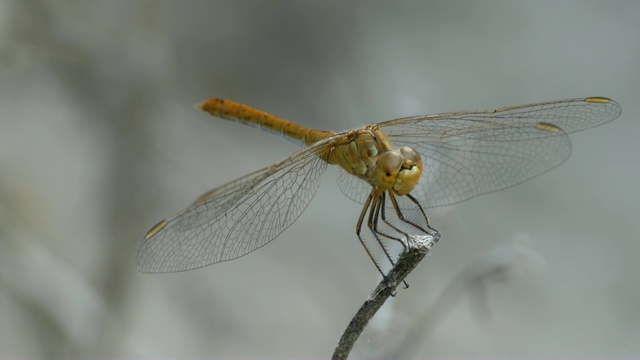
pixel 99 140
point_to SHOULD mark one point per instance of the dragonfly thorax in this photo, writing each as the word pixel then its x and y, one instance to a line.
pixel 397 170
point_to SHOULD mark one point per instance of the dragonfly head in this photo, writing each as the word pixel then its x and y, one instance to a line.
pixel 398 170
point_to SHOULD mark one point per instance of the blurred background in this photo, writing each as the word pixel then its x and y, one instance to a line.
pixel 99 140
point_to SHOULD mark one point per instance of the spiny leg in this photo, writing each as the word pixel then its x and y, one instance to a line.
pixel 384 218
pixel 424 214
pixel 374 213
pixel 367 206
pixel 374 229
pixel 373 226
pixel 401 216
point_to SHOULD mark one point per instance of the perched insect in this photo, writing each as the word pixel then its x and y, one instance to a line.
pixel 429 160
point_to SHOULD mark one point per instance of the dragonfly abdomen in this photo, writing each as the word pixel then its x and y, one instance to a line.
pixel 231 110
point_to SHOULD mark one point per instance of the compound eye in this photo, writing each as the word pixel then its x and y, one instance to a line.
pixel 410 154
pixel 390 163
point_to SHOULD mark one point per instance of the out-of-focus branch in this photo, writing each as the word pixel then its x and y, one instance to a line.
pixel 499 264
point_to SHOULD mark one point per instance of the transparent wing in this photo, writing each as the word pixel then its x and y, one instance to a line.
pixel 353 187
pixel 237 218
pixel 466 154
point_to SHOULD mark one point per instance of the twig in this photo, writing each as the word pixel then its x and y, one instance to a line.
pixel 417 248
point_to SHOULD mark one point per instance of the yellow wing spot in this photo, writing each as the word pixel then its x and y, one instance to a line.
pixel 543 126
pixel 600 100
pixel 204 197
pixel 154 230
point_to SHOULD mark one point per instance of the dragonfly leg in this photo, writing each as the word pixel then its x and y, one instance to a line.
pixel 367 206
pixel 405 220
pixel 373 225
pixel 384 218
pixel 424 214
pixel 374 215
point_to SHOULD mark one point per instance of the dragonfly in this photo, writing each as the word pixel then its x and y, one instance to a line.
pixel 427 161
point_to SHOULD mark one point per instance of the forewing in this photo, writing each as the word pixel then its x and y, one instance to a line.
pixel 471 153
pixel 234 219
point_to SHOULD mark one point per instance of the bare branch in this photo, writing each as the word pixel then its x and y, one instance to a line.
pixel 417 248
